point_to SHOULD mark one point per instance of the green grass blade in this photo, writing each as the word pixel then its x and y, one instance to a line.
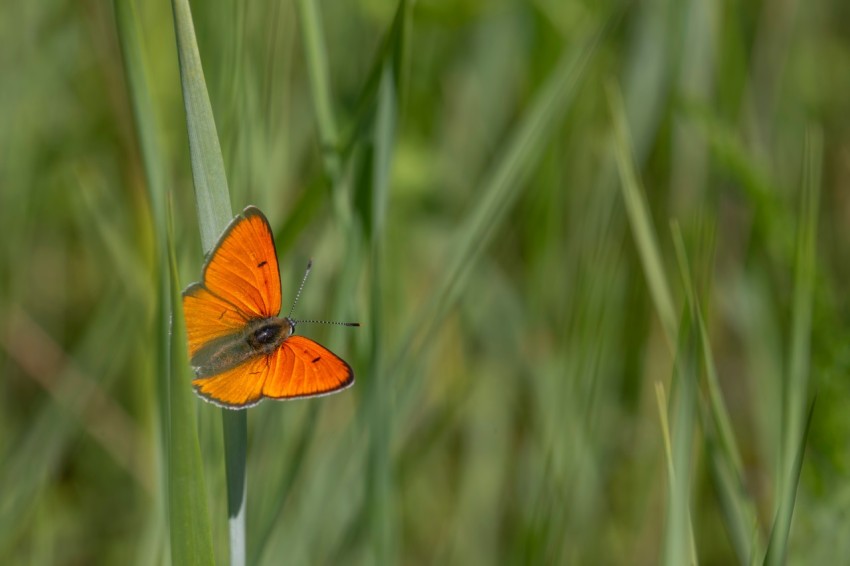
pixel 795 423
pixel 211 193
pixel 723 454
pixel 317 66
pixel 394 51
pixel 679 544
pixel 214 213
pixel 380 463
pixel 191 539
pixel 639 218
pixel 235 428
pixel 127 25
pixel 777 549
pixel 144 119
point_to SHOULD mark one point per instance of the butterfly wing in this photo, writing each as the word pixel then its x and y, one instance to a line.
pixel 236 388
pixel 242 268
pixel 240 282
pixel 208 317
pixel 302 368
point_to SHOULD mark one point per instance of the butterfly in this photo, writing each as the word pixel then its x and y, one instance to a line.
pixel 241 350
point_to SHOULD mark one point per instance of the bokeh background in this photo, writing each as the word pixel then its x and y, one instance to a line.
pixel 467 177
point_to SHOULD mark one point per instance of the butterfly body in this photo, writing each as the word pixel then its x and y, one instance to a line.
pixel 240 348
pixel 260 337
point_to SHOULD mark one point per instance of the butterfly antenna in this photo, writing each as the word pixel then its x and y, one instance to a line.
pixel 326 322
pixel 298 294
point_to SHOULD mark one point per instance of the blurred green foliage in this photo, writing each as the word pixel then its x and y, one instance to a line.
pixel 548 372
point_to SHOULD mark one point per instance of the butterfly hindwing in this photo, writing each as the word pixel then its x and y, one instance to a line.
pixel 302 368
pixel 238 387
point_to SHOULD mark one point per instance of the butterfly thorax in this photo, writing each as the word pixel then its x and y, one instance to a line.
pixel 265 335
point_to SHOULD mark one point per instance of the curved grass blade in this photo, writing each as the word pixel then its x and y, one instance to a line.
pixel 317 66
pixel 191 539
pixel 639 218
pixel 795 423
pixel 214 213
pixel 723 454
pixel 127 25
pixel 380 461
pixel 211 193
pixel 777 549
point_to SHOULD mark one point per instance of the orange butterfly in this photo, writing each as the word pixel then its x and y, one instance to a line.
pixel 240 349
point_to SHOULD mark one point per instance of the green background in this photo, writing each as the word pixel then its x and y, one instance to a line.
pixel 572 230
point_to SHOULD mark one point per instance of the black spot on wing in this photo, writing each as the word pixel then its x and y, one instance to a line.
pixel 262 263
pixel 316 359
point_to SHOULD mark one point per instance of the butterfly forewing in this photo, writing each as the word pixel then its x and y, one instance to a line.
pixel 242 269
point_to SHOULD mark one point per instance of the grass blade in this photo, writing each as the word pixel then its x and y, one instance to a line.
pixel 191 539
pixel 211 194
pixel 317 66
pixel 777 549
pixel 127 25
pixel 723 454
pixel 214 213
pixel 795 423
pixel 639 218
pixel 380 463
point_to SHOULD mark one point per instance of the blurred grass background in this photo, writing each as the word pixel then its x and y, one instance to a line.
pixel 598 249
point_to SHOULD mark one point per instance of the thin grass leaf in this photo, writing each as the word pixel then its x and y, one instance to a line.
pixel 777 548
pixel 724 457
pixel 639 218
pixel 191 538
pixel 679 544
pixel 663 407
pixel 211 193
pixel 801 327
pixel 380 463
pixel 145 120
pixel 394 51
pixel 795 424
pixel 317 67
pixel 214 213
